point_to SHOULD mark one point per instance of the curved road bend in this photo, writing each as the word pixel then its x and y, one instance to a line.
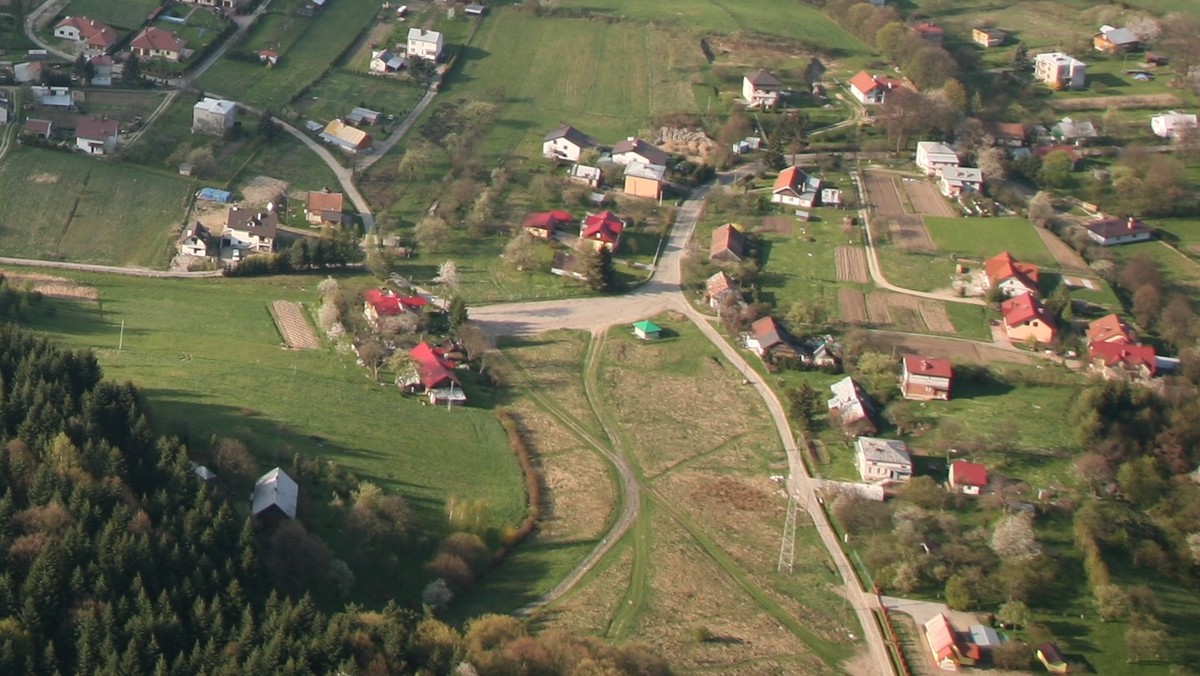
pixel 661 293
pixel 31 33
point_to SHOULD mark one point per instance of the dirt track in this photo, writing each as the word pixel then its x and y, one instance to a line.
pixel 1067 258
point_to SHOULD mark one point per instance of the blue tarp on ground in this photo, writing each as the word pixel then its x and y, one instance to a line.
pixel 214 195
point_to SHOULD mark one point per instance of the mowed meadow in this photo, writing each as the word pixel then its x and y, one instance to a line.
pixel 64 205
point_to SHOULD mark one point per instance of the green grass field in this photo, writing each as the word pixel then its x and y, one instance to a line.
pixel 63 205
pixel 982 238
pixel 287 159
pixel 208 357
pixel 307 47
pixel 126 15
pixel 338 92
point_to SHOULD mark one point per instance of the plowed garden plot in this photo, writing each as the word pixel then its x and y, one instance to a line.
pixel 926 200
pixel 1068 259
pixel 933 313
pixel 853 307
pixel 851 264
pixel 906 313
pixel 293 326
pixel 909 232
pixel 783 225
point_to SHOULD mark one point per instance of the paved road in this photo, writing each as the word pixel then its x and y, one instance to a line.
pixel 31 21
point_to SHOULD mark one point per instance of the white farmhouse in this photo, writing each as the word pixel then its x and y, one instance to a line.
pixel 761 89
pixel 882 459
pixel 424 44
pixel 932 157
pixel 1060 71
pixel 566 143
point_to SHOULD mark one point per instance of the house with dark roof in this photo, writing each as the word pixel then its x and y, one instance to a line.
pixel 634 150
pixel 988 37
pixel 194 240
pixel 543 224
pixel 761 89
pixel 1026 319
pixel 250 229
pixel 767 338
pixel 882 460
pixel 566 143
pixel 1115 40
pixel 728 244
pixel 1051 658
pixel 1117 230
pixel 157 43
pixel 95 136
pixel 926 378
pixel 275 495
pixel 322 207
pixel 602 230
pixel 968 477
pixel 1013 278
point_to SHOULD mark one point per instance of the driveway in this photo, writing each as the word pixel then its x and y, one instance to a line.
pixel 923 611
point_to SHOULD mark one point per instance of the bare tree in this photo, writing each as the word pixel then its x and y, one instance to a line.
pixel 432 232
pixel 372 354
pixel 1041 209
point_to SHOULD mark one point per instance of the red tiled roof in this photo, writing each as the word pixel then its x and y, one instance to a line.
pixel 1131 357
pixel 863 81
pixel 546 220
pixel 1023 308
pixel 718 284
pixel 727 238
pixel 766 332
pixel 94 129
pixel 927 366
pixel 158 39
pixel 413 302
pixel 431 367
pixel 1116 227
pixel 1003 266
pixel 385 303
pixel 604 226
pixel 93 32
pixel 789 179
pixel 320 200
pixel 940 636
pixel 928 29
pixel 963 473
pixel 1110 329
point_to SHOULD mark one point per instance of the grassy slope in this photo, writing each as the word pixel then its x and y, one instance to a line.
pixel 127 14
pixel 87 210
pixel 207 355
pixel 337 92
pixel 982 238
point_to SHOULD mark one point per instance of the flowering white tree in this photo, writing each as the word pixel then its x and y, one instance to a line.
pixel 1013 538
pixel 447 274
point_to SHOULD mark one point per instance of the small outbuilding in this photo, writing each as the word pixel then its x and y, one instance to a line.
pixel 968 477
pixel 275 493
pixel 647 330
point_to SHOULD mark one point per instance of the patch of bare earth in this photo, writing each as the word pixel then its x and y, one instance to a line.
pixel 690 594
pixel 853 309
pixel 878 308
pixel 852 264
pixel 1068 259
pixel 926 200
pixel 43 177
pixel 293 325
pixel 52 287
pixel 782 225
pixel 909 232
pixel 954 350
pixel 933 313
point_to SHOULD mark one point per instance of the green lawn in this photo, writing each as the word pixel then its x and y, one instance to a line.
pixel 913 270
pixel 86 210
pixel 338 92
pixel 208 358
pixel 1180 272
pixel 307 47
pixel 287 159
pixel 126 14
pixel 982 238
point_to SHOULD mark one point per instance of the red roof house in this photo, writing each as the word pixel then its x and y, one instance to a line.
pixel 728 244
pixel 926 378
pixel 380 303
pixel 435 375
pixel 1114 360
pixel 1025 318
pixel 929 33
pixel 602 229
pixel 543 223
pixel 968 477
pixel 1111 329
pixel 1010 276
pixel 944 645
pixel 871 89
pixel 94 34
pixel 154 42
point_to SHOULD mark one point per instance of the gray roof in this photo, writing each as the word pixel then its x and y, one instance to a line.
pixel 571 134
pixel 650 153
pixel 763 78
pixel 275 489
pixel 892 451
pixel 984 636
pixel 1119 36
pixel 654 172
pixel 1072 129
pixel 848 398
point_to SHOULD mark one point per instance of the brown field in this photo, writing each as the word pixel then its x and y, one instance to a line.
pixel 956 350
pixel 52 287
pixel 1106 102
pixel 934 314
pixel 293 325
pixel 907 313
pixel 853 308
pixel 879 311
pixel 925 198
pixel 852 265
pixel 909 233
pixel 1068 259
pixel 784 225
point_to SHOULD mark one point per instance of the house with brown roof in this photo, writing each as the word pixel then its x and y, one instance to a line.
pixel 1111 329
pixel 1013 278
pixel 38 128
pixel 1117 230
pixel 926 378
pixel 93 34
pixel 194 240
pixel 720 289
pixel 870 89
pixel 728 244
pixel 250 230
pixel 156 43
pixel 95 136
pixel 322 207
pixel 930 33
pixel 566 143
pixel 543 224
pixel 761 89
pixel 1026 319
pixel 602 230
pixel 765 336
pixel 634 150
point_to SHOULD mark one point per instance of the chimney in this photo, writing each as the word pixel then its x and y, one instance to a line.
pixel 1130 223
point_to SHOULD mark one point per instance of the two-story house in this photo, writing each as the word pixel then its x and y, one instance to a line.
pixel 882 460
pixel 925 378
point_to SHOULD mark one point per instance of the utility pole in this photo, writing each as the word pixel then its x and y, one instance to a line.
pixel 121 339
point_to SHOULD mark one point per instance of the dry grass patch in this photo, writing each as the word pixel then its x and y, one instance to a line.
pixel 590 607
pixel 853 308
pixel 554 361
pixel 926 200
pixel 933 313
pixel 52 287
pixel 1106 102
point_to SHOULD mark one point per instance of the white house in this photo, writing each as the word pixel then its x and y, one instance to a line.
pixel 424 44
pixel 882 459
pixel 1059 70
pixel 761 89
pixel 1170 125
pixel 193 241
pixel 95 136
pixel 634 150
pixel 957 180
pixel 794 188
pixel 870 89
pixel 6 107
pixel 213 116
pixel 386 61
pixel 932 157
pixel 1110 231
pixel 566 143
pixel 250 230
